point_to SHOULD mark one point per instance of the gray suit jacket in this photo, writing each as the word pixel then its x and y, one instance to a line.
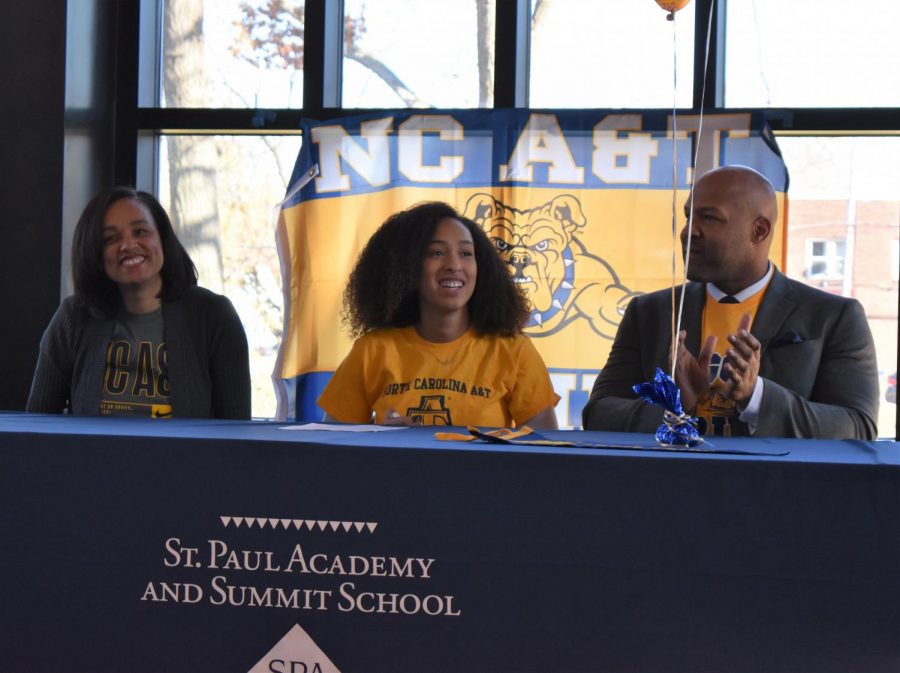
pixel 817 359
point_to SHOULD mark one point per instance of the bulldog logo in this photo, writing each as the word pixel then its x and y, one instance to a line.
pixel 561 278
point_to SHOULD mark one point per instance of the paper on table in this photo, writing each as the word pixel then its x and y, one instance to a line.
pixel 337 427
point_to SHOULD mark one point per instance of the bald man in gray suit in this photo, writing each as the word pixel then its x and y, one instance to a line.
pixel 802 366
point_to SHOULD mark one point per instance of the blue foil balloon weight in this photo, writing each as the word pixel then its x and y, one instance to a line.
pixel 678 429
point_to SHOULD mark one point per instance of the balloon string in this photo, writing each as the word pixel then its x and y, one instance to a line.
pixel 690 219
pixel 671 18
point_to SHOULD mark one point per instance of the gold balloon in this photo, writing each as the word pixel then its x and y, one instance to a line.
pixel 672 5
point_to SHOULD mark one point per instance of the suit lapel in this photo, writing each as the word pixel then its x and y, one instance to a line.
pixel 692 318
pixel 773 311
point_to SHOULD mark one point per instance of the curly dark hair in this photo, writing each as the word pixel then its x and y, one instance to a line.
pixel 383 286
pixel 93 287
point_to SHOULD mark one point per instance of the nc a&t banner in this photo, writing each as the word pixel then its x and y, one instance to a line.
pixel 578 203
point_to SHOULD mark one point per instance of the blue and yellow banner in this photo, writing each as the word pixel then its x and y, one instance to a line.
pixel 580 203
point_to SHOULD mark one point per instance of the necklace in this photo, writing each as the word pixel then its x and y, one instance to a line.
pixel 441 353
pixel 446 361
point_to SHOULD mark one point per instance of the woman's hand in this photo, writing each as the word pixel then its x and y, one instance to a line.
pixel 543 420
pixel 392 417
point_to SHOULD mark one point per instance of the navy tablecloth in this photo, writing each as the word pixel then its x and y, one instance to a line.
pixel 228 546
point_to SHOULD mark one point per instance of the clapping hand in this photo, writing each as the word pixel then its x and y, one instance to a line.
pixel 741 367
pixel 692 373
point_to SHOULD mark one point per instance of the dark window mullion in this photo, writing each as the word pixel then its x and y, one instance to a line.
pixel 820 121
pixel 127 27
pixel 714 72
pixel 512 38
pixel 323 53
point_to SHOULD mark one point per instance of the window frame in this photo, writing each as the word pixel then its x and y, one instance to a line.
pixel 139 122
pixel 139 53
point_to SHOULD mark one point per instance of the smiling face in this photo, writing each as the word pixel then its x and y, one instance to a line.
pixel 132 250
pixel 733 213
pixel 449 270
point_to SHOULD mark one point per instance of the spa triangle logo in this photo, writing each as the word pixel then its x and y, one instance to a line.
pixel 295 653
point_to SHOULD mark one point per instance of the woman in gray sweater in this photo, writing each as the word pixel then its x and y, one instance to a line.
pixel 139 337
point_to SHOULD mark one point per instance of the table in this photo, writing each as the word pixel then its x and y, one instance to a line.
pixel 184 545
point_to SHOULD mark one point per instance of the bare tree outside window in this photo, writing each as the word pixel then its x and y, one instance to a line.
pixel 192 165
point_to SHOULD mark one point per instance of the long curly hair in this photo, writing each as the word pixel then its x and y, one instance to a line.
pixel 383 286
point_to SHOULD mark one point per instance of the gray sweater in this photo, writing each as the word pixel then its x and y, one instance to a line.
pixel 208 363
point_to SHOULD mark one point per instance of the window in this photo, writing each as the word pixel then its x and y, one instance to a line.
pixel 812 53
pixel 844 206
pixel 824 259
pixel 621 50
pixel 221 192
pixel 218 134
pixel 246 54
pixel 418 53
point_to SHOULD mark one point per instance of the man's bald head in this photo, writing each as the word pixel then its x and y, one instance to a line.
pixel 747 188
pixel 734 216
